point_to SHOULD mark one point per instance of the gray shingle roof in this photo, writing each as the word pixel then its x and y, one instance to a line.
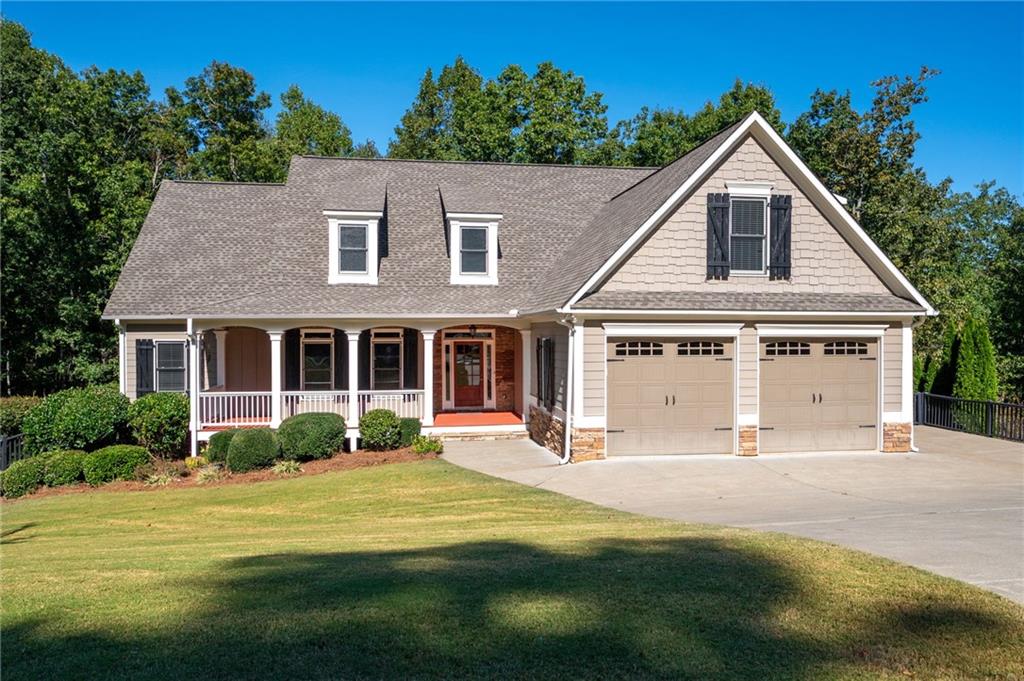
pixel 762 302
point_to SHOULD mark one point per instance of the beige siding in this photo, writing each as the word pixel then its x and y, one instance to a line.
pixel 747 355
pixel 135 332
pixel 593 369
pixel 561 336
pixel 674 258
pixel 892 368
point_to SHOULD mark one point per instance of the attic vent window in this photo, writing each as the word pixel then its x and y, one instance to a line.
pixel 352 243
pixel 473 247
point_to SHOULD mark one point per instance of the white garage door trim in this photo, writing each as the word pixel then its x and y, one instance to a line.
pixel 684 330
pixel 876 331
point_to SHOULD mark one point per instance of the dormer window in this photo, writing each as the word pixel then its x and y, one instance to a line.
pixel 352 242
pixel 474 247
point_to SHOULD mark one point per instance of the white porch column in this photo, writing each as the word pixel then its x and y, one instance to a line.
pixel 193 386
pixel 122 358
pixel 353 386
pixel 275 378
pixel 222 339
pixel 526 336
pixel 428 376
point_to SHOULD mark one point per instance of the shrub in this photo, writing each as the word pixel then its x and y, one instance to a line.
pixel 217 450
pixel 311 436
pixel 62 467
pixel 78 418
pixel 287 467
pixel 12 412
pixel 159 479
pixel 427 444
pixel 117 462
pixel 380 429
pixel 210 473
pixel 24 476
pixel 159 422
pixel 196 462
pixel 410 428
pixel 251 449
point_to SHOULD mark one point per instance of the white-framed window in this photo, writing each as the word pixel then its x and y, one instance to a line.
pixel 387 366
pixel 473 247
pixel 317 366
pixel 353 245
pixel 546 372
pixel 748 227
pixel 170 367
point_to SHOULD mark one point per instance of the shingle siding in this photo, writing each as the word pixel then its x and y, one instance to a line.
pixel 674 257
pixel 156 332
pixel 561 337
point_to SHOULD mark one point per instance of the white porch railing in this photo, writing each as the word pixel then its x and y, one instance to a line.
pixel 224 409
pixel 297 402
pixel 405 403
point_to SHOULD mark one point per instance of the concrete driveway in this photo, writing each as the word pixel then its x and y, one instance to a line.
pixel 955 508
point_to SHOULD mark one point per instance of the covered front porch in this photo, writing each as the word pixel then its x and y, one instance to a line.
pixel 458 378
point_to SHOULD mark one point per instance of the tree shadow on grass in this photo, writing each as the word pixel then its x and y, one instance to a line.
pixel 7 535
pixel 680 608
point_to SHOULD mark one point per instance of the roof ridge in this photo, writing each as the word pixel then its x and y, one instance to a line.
pixel 483 163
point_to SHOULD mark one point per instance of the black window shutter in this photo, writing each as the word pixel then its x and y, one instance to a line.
pixel 364 360
pixel 539 385
pixel 779 262
pixel 340 360
pixel 411 343
pixel 550 397
pixel 292 360
pixel 143 366
pixel 718 236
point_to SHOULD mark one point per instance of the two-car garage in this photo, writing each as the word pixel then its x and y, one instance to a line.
pixel 677 395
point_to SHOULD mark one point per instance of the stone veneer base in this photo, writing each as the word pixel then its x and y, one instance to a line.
pixel 896 437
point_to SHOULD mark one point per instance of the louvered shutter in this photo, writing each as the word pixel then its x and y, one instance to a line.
pixel 781 217
pixel 292 360
pixel 340 360
pixel 550 359
pixel 718 236
pixel 143 366
pixel 410 361
pixel 364 360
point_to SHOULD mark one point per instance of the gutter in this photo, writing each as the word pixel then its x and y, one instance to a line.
pixel 569 322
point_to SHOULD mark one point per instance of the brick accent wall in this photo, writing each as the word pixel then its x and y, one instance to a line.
pixel 587 444
pixel 896 437
pixel 546 431
pixel 506 352
pixel 748 441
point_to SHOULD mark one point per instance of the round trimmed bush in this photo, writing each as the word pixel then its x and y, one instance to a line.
pixel 159 422
pixel 251 449
pixel 409 428
pixel 117 462
pixel 12 412
pixel 78 418
pixel 63 467
pixel 24 476
pixel 217 450
pixel 311 436
pixel 380 429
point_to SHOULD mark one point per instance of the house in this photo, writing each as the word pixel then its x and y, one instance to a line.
pixel 726 303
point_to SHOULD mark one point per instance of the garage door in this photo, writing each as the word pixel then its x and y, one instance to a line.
pixel 670 396
pixel 818 395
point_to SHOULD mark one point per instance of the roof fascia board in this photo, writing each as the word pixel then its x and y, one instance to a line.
pixel 776 314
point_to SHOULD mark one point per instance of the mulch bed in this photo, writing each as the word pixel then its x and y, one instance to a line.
pixel 339 462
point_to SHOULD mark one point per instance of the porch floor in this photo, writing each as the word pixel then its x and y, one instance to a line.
pixel 477 418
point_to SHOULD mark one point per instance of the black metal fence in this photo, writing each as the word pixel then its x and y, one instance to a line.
pixel 12 448
pixel 993 419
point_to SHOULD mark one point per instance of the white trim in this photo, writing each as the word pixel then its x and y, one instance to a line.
pixel 276 349
pixel 820 330
pixel 156 363
pixel 122 358
pixel 191 335
pixel 427 363
pixel 474 217
pixel 667 330
pixel 907 374
pixel 526 353
pixel 486 367
pixel 765 237
pixel 454 430
pixel 392 340
pixel 892 417
pixel 488 222
pixel 577 376
pixel 589 422
pixel 747 420
pixel 303 342
pixel 589 313
pixel 761 190
pixel 369 221
pixel 354 214
pixel 352 420
pixel 755 124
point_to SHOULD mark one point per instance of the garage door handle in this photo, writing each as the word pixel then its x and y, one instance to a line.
pixel 870 425
pixel 813 398
pixel 819 398
pixel 673 400
pixel 767 428
pixel 614 430
pixel 724 428
pixel 666 400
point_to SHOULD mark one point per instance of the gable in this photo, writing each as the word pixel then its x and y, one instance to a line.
pixel 673 258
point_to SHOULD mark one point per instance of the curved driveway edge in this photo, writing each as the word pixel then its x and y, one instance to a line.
pixel 955 508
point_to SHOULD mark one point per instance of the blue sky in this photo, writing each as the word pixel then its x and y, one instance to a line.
pixel 365 61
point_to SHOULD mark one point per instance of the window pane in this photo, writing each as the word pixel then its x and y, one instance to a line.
pixel 474 239
pixel 316 366
pixel 387 362
pixel 474 261
pixel 170 355
pixel 353 261
pixel 747 254
pixel 170 380
pixel 748 217
pixel 353 236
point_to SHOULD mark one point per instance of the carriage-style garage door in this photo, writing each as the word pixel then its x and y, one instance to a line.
pixel 818 395
pixel 670 396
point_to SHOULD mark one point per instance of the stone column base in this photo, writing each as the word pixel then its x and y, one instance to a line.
pixel 587 444
pixel 896 437
pixel 747 441
pixel 546 430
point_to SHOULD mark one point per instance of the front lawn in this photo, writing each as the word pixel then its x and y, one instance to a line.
pixel 427 570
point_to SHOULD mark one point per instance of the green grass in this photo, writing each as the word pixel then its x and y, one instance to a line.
pixel 426 570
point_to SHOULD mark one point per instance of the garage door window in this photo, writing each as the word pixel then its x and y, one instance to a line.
pixel 846 348
pixel 638 349
pixel 783 348
pixel 700 348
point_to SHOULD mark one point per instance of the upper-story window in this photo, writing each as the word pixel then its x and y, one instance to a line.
pixel 748 235
pixel 352 240
pixel 474 247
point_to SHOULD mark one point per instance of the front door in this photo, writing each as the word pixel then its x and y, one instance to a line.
pixel 469 375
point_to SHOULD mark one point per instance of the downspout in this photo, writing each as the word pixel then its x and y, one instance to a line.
pixel 569 322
